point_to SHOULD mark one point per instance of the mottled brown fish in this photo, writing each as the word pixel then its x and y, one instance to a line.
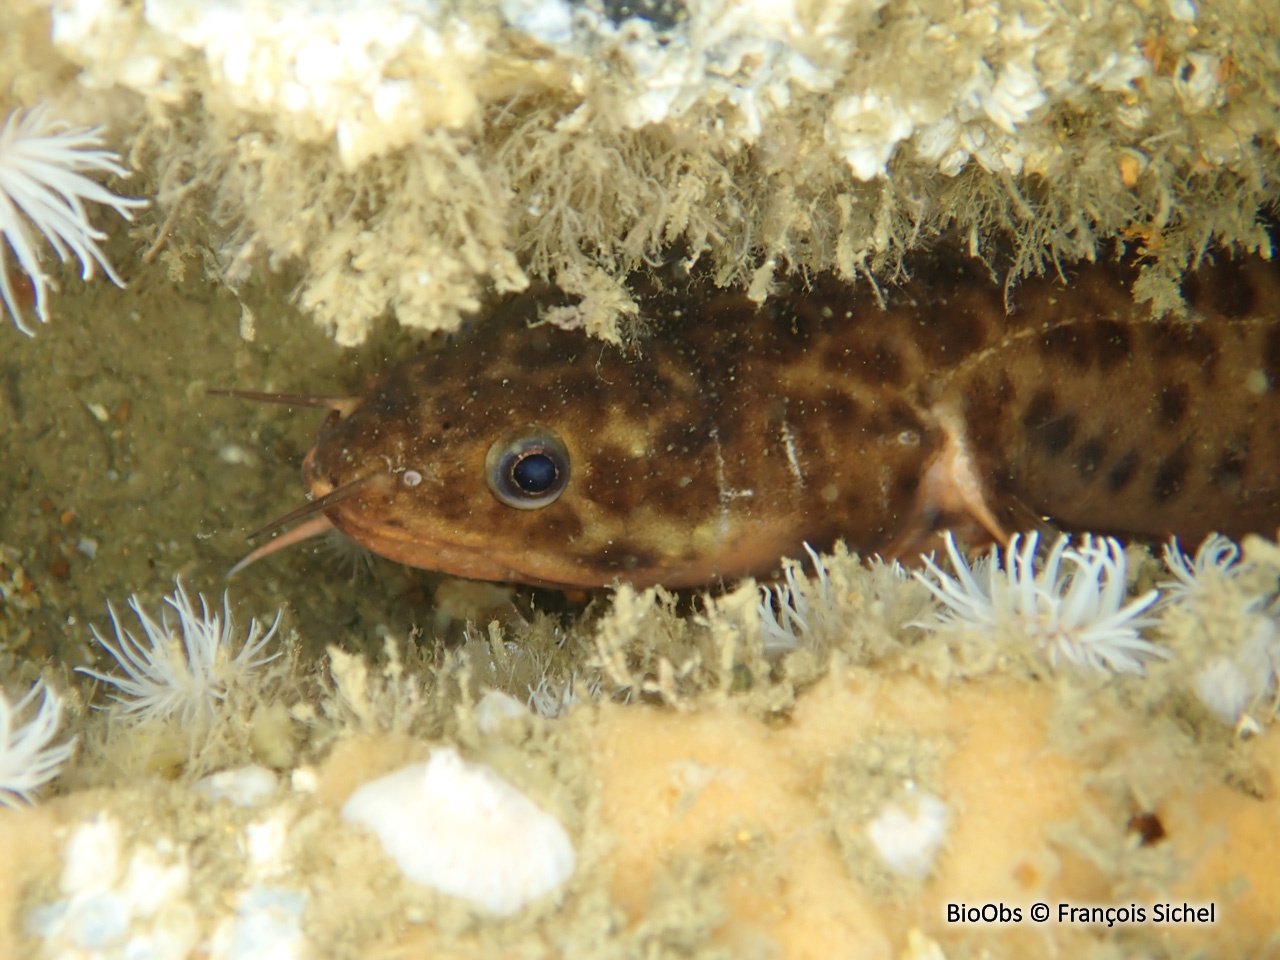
pixel 737 433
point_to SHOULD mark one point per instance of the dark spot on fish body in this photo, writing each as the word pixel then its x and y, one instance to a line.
pixel 1271 357
pixel 1071 343
pixel 1171 475
pixel 904 418
pixel 722 310
pixel 875 363
pixel 886 421
pixel 1089 457
pixel 838 407
pixel 1228 472
pixel 815 310
pixel 791 333
pixel 1121 473
pixel 1236 295
pixel 1174 400
pixel 948 336
pixel 678 438
pixel 652 389
pixel 1224 289
pixel 1058 433
pixel 579 386
pixel 837 359
pixel 451 499
pixel 1180 340
pixel 986 406
pixel 394 401
pixel 679 494
pixel 1090 293
pixel 612 479
pixel 905 468
pixel 559 522
pixel 727 420
pixel 483 420
pixel 1041 411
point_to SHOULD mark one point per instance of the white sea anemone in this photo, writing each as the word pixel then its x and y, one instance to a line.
pixel 185 671
pixel 42 186
pixel 1215 561
pixel 26 759
pixel 785 610
pixel 550 698
pixel 1077 613
pixel 1232 636
pixel 843 602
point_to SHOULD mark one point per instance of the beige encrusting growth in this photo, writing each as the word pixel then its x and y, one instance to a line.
pixel 410 156
pixel 721 790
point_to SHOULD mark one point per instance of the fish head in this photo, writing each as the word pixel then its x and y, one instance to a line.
pixel 533 455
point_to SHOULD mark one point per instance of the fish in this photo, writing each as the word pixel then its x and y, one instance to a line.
pixel 730 434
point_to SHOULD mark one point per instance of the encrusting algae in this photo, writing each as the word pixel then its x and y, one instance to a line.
pixel 851 759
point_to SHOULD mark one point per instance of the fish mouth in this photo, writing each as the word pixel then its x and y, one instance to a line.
pixel 360 519
pixel 549 570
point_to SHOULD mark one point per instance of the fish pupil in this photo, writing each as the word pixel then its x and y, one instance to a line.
pixel 534 474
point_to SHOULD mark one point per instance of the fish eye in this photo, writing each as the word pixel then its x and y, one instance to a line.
pixel 528 467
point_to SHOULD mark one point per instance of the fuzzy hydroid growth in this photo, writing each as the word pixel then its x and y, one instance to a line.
pixel 1074 606
pixel 42 186
pixel 1227 625
pixel 185 672
pixel 26 759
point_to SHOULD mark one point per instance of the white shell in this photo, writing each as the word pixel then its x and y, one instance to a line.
pixel 462 830
pixel 909 842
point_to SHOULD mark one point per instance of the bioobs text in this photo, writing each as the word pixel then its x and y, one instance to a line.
pixel 983 913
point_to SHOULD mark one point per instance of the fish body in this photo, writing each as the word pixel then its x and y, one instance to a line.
pixel 736 433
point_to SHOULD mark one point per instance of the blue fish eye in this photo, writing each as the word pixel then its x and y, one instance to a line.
pixel 534 474
pixel 528 467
